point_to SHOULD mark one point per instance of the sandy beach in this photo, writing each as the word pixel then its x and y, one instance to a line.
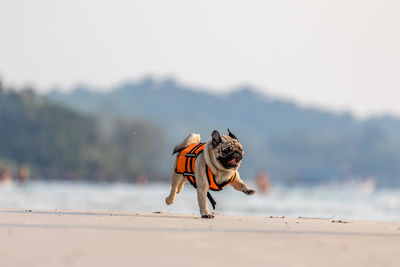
pixel 79 238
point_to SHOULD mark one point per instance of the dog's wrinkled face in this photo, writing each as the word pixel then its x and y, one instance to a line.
pixel 227 149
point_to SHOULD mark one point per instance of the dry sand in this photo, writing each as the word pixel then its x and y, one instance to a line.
pixel 77 238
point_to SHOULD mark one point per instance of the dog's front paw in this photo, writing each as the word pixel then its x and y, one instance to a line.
pixel 207 216
pixel 249 191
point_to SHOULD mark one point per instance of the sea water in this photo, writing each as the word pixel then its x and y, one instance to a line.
pixel 331 201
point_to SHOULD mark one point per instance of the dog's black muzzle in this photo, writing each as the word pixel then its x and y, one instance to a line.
pixel 232 160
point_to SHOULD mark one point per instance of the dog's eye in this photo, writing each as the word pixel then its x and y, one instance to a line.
pixel 226 150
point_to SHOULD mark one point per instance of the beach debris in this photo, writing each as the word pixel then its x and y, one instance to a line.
pixel 339 221
pixel 157 212
pixel 277 217
pixel 313 218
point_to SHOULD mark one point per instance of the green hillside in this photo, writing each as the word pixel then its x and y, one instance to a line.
pixel 57 142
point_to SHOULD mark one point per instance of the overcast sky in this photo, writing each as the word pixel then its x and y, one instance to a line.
pixel 339 54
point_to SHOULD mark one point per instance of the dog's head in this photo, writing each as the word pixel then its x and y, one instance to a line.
pixel 226 150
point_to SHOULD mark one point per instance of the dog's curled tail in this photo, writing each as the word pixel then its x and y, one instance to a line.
pixel 190 140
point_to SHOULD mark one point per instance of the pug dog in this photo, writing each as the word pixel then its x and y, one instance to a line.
pixel 207 166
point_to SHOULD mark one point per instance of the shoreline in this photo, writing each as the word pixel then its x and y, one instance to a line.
pixel 90 238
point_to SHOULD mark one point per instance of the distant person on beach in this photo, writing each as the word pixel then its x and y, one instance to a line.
pixel 263 183
pixel 5 176
pixel 141 179
pixel 23 174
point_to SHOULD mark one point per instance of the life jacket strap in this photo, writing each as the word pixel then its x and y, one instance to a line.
pixel 211 199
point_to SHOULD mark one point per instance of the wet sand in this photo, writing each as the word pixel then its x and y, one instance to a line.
pixel 79 238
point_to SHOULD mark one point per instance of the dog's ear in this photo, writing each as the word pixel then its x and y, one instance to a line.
pixel 231 135
pixel 216 138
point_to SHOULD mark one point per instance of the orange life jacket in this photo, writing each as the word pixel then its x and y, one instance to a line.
pixel 185 166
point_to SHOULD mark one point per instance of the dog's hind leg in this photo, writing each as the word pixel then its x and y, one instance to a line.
pixel 176 180
pixel 180 186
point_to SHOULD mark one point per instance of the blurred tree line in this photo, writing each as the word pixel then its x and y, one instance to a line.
pixel 59 143
pixel 129 132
